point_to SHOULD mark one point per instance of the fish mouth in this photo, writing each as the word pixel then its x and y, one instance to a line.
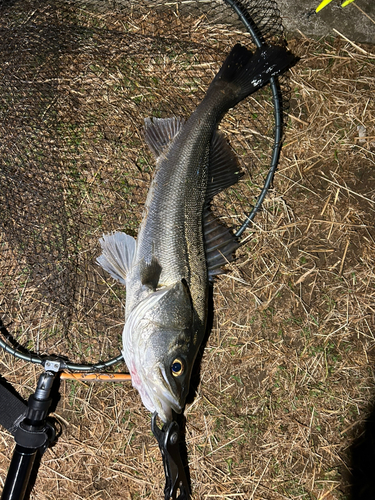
pixel 159 393
pixel 164 409
pixel 166 398
pixel 156 393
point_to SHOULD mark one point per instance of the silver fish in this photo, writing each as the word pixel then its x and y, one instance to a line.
pixel 180 246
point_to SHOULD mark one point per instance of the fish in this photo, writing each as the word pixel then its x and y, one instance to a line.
pixel 180 246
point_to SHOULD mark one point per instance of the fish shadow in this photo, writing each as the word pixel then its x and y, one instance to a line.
pixel 196 372
pixel 194 383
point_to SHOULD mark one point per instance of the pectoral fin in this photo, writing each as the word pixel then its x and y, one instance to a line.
pixel 150 273
pixel 118 254
pixel 173 308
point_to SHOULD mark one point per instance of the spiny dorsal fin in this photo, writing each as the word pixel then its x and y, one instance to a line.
pixel 223 170
pixel 220 244
pixel 118 254
pixel 160 132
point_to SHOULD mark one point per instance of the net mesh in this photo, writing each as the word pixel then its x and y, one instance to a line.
pixel 77 80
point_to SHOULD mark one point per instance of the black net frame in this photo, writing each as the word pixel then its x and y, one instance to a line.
pixel 77 80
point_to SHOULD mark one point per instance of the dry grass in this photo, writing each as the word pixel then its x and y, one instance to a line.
pixel 287 374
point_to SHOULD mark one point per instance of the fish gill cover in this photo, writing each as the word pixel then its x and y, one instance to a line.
pixel 77 81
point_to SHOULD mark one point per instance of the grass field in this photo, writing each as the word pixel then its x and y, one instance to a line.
pixel 284 408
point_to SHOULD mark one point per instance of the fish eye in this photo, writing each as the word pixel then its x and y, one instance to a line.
pixel 177 367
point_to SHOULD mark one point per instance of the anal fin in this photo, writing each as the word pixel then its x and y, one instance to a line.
pixel 220 244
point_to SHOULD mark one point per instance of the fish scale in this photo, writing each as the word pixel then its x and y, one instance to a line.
pixel 180 246
pixel 172 231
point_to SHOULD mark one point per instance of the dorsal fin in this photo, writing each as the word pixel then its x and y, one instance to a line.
pixel 223 170
pixel 160 132
pixel 150 273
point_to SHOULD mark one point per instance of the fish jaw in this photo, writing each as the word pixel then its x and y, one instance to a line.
pixel 157 332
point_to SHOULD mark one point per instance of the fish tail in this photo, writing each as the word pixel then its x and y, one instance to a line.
pixel 244 72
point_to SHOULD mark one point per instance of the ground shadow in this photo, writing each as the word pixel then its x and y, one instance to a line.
pixel 196 372
pixel 362 459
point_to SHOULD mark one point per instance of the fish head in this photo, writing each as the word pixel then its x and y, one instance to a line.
pixel 159 349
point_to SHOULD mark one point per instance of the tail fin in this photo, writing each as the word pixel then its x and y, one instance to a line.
pixel 246 72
